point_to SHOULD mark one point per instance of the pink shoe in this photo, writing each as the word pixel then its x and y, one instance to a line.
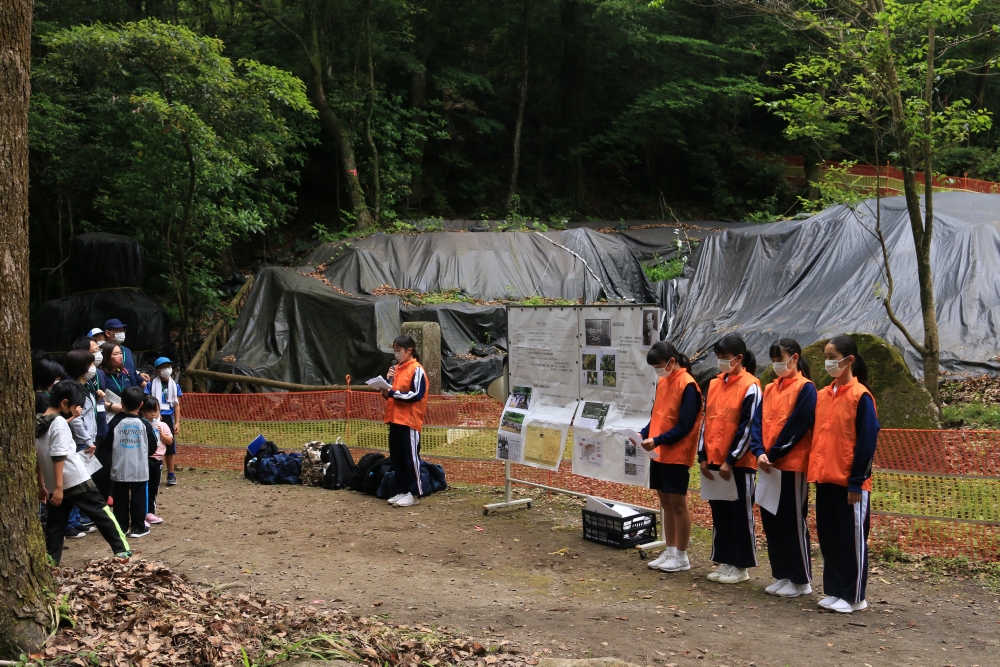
pixel 153 519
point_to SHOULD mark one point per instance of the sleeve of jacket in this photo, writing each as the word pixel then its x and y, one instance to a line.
pixel 798 424
pixel 867 428
pixel 417 391
pixel 748 435
pixel 702 454
pixel 687 418
pixel 644 432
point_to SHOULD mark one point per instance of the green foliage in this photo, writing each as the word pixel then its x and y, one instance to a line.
pixel 149 127
pixel 971 415
pixel 665 270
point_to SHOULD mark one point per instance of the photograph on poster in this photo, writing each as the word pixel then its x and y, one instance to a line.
pixel 542 446
pixel 592 451
pixel 592 415
pixel 512 422
pixel 508 447
pixel 520 398
pixel 650 330
pixel 609 380
pixel 590 377
pixel 607 362
pixel 588 361
pixel 631 451
pixel 598 332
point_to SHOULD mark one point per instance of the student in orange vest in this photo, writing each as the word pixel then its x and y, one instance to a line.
pixel 840 462
pixel 404 413
pixel 672 434
pixel 788 413
pixel 730 432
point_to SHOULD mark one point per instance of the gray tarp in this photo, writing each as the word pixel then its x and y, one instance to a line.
pixel 815 278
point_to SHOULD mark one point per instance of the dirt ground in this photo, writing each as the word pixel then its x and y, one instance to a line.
pixel 527 577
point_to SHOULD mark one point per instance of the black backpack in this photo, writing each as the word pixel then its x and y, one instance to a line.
pixel 367 462
pixel 375 475
pixel 340 469
pixel 250 460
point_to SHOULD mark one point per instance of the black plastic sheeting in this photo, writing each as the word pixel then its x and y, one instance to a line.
pixel 106 269
pixel 574 264
pixel 294 328
pixel 816 278
pixel 57 324
pixel 102 261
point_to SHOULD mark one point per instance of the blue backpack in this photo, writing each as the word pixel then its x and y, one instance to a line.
pixel 280 468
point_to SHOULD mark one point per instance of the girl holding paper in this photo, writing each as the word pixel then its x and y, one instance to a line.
pixel 789 411
pixel 729 434
pixel 840 463
pixel 404 413
pixel 671 433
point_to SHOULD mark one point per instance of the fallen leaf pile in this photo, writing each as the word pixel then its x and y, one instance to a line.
pixel 318 275
pixel 982 389
pixel 142 613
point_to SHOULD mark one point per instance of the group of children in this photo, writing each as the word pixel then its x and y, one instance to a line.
pixel 125 450
pixel 789 429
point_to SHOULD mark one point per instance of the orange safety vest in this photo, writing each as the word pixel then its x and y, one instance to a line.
pixel 779 401
pixel 835 434
pixel 722 417
pixel 666 414
pixel 406 413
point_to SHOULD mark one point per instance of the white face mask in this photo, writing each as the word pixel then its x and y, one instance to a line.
pixel 725 365
pixel 155 421
pixel 833 368
pixel 98 358
pixel 120 337
pixel 784 368
pixel 166 372
pixel 90 373
pixel 663 372
pixel 399 356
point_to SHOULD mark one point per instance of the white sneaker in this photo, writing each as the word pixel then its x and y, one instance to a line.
pixel 658 561
pixel 859 606
pixel 735 576
pixel 407 501
pixel 396 498
pixel 791 590
pixel 842 606
pixel 776 586
pixel 719 571
pixel 828 601
pixel 677 564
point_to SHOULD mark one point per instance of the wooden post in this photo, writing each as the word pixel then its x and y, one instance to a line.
pixel 427 336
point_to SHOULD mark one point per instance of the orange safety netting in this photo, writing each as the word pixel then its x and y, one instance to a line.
pixel 936 492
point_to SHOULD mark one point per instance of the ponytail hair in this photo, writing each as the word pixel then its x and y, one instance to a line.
pixel 847 347
pixel 663 352
pixel 406 342
pixel 733 344
pixel 790 346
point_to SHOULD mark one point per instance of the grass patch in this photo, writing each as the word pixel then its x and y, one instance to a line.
pixel 666 270
pixel 972 415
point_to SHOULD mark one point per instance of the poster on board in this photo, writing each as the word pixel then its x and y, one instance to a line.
pixel 546 429
pixel 603 450
pixel 510 435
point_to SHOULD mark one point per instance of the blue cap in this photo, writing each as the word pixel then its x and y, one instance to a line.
pixel 93 332
pixel 160 361
pixel 114 323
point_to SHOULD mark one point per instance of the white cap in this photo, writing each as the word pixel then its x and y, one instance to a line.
pixel 93 332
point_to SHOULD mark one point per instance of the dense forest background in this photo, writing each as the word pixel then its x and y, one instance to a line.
pixel 258 128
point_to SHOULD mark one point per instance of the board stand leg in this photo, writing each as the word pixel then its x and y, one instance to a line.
pixel 523 502
pixel 649 546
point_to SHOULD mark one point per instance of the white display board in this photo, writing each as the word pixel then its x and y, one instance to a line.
pixel 585 366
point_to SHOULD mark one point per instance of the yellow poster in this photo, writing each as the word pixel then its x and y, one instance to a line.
pixel 542 446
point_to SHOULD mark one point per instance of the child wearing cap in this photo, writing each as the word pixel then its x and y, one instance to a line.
pixel 168 393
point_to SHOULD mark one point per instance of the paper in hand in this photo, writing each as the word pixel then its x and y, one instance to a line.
pixel 768 492
pixel 636 438
pixel 718 488
pixel 379 383
pixel 90 463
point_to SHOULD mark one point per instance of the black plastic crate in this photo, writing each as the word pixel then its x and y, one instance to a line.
pixel 618 532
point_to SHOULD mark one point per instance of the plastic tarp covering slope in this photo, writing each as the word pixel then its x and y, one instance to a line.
pixel 294 328
pixel 102 261
pixel 819 277
pixel 575 264
pixel 58 323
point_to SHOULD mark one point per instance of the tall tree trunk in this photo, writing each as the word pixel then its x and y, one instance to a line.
pixel 572 14
pixel 376 174
pixel 327 116
pixel 425 33
pixel 924 275
pixel 24 572
pixel 521 103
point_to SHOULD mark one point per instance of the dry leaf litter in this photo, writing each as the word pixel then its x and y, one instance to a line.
pixel 142 613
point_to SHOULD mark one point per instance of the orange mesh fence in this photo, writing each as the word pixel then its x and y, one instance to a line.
pixel 935 492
